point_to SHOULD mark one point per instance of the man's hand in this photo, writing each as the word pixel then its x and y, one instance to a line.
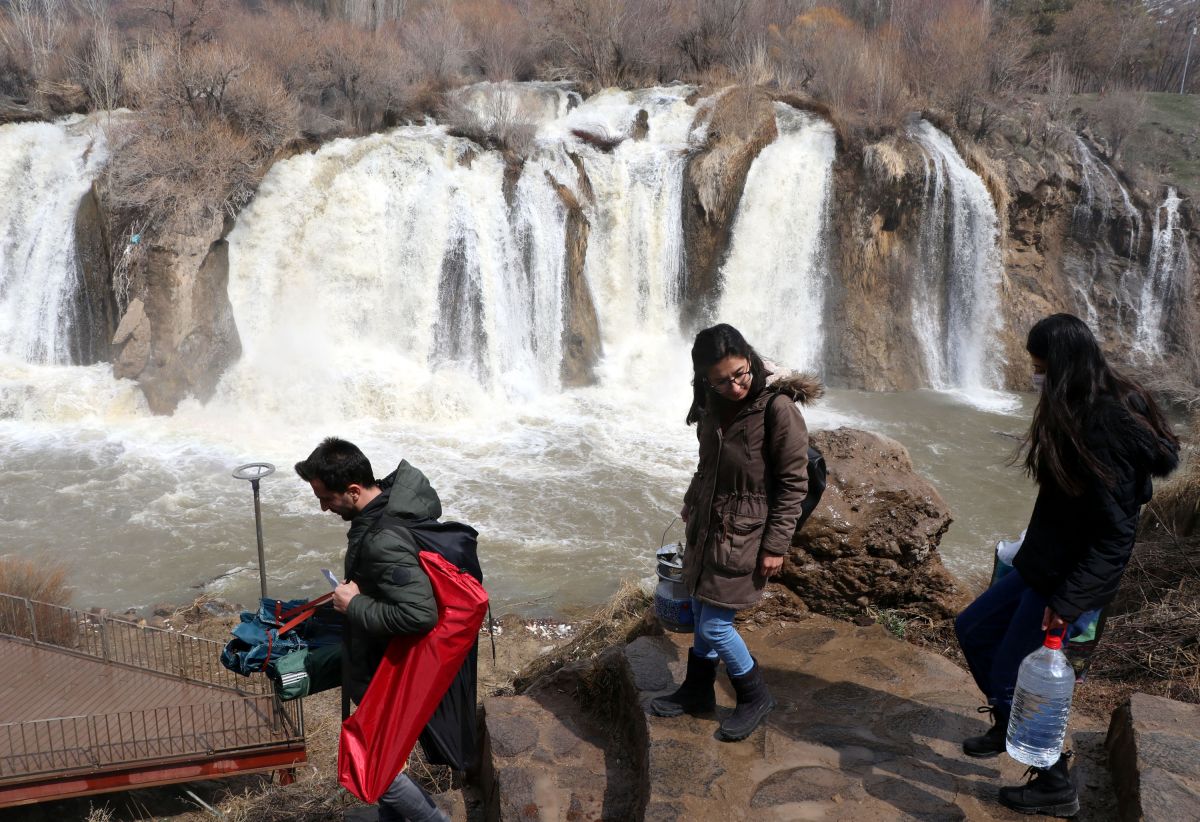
pixel 1053 622
pixel 769 565
pixel 343 594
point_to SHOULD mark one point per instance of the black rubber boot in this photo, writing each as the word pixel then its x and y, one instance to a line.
pixel 754 702
pixel 1049 792
pixel 992 742
pixel 697 694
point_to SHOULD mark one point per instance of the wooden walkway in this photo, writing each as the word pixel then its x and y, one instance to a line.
pixel 73 724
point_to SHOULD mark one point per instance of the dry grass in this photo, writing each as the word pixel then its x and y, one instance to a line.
pixel 621 619
pixel 41 581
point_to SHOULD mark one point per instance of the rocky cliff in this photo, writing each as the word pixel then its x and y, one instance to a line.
pixel 1073 235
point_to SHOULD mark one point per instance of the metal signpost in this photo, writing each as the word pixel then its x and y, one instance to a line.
pixel 253 472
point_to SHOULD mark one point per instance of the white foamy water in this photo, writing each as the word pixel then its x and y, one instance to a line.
pixel 1168 276
pixel 45 169
pixel 774 280
pixel 955 307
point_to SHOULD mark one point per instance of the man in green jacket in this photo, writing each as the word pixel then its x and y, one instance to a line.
pixel 385 592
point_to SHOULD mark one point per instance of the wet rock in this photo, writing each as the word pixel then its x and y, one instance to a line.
pixel 93 306
pixel 132 342
pixel 873 539
pixel 741 124
pixel 182 283
pixel 581 327
pixel 1154 754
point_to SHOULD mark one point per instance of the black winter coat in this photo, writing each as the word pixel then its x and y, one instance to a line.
pixel 1076 548
pixel 396 596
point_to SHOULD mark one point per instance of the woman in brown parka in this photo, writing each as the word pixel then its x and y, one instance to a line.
pixel 740 513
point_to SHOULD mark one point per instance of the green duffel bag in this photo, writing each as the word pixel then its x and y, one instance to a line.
pixel 306 672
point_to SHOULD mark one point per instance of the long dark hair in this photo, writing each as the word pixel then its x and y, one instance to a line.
pixel 711 346
pixel 1077 376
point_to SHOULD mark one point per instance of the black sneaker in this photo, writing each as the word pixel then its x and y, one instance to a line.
pixel 992 742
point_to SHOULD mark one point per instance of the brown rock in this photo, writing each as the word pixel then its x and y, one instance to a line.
pixel 742 124
pixel 1154 754
pixel 581 327
pixel 132 339
pixel 873 539
pixel 182 282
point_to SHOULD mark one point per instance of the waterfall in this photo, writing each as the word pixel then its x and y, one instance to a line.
pixel 392 272
pixel 955 307
pixel 1167 277
pixel 774 279
pixel 45 169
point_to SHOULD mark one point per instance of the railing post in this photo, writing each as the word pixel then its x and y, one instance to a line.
pixel 104 637
pixel 32 621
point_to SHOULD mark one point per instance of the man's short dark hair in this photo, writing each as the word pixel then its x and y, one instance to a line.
pixel 337 464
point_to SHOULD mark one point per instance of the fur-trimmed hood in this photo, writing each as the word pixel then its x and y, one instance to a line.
pixel 801 387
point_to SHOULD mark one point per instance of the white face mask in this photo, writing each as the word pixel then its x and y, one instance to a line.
pixel 1039 382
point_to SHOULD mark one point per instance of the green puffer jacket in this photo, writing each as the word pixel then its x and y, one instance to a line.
pixel 396 596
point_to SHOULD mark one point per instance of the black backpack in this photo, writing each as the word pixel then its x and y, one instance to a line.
pixel 817 470
pixel 450 736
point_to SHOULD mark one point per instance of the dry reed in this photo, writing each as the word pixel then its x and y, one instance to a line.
pixel 621 619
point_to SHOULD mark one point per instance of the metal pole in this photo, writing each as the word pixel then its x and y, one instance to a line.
pixel 1187 59
pixel 262 560
pixel 253 472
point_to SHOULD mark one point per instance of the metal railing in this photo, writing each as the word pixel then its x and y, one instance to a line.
pixel 252 716
pixel 46 746
pixel 121 642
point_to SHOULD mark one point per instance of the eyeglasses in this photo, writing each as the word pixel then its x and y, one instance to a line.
pixel 737 379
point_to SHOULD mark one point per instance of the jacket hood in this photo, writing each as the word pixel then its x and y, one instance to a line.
pixel 802 388
pixel 410 496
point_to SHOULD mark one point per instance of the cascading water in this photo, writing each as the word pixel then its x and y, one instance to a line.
pixel 404 291
pixel 955 307
pixel 774 280
pixel 1167 277
pixel 45 169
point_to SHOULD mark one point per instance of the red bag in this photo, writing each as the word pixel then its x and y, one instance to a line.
pixel 415 673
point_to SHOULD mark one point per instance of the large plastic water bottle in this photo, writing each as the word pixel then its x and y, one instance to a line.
pixel 1041 705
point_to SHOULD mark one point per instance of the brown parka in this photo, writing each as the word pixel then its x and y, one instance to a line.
pixel 735 511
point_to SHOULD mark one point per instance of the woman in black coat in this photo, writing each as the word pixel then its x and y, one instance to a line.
pixel 1095 441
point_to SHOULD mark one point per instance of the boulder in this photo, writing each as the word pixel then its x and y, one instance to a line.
pixel 568 748
pixel 132 342
pixel 1154 753
pixel 873 539
pixel 94 307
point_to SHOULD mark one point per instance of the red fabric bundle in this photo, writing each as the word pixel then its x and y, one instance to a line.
pixel 414 675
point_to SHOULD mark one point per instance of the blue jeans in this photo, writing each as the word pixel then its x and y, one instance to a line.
pixel 714 636
pixel 997 631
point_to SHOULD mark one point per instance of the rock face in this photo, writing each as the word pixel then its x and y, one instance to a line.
pixel 878 203
pixel 581 328
pixel 740 125
pixel 873 538
pixel 178 334
pixel 1154 752
pixel 94 308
